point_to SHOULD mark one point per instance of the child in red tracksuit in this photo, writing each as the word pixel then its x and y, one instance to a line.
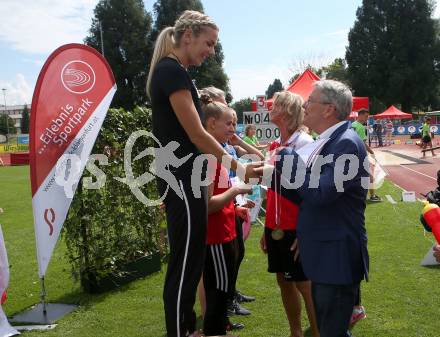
pixel 221 257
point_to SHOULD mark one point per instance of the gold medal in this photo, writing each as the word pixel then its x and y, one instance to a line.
pixel 277 234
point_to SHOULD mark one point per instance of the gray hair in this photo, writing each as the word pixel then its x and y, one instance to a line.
pixel 338 94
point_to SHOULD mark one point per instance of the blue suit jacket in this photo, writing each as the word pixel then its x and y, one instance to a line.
pixel 331 225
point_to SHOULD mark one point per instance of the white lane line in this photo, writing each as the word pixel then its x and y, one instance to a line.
pixel 390 199
pixel 404 166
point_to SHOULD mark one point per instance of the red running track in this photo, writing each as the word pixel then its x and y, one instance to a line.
pixel 417 177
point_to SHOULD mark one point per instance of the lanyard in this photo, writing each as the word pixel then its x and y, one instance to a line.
pixel 292 144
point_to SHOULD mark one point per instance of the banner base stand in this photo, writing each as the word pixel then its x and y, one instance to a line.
pixel 36 315
pixel 429 259
pixel 34 327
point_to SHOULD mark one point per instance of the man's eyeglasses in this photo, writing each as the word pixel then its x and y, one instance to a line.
pixel 318 102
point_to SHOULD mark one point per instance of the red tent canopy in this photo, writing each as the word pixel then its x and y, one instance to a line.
pixel 394 113
pixel 303 86
pixel 358 103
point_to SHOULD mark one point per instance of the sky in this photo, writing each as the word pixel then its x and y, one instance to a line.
pixel 262 40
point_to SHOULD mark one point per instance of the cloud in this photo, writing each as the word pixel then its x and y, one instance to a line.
pixel 42 26
pixel 342 33
pixel 17 92
pixel 36 62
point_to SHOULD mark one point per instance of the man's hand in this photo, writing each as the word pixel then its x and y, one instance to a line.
pixel 251 174
pixel 242 189
pixel 265 170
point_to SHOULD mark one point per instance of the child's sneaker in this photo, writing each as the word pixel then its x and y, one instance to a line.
pixel 375 198
pixel 357 315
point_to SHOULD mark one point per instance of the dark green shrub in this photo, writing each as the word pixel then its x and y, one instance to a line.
pixel 109 227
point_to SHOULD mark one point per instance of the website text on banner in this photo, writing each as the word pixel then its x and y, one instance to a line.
pixel 71 99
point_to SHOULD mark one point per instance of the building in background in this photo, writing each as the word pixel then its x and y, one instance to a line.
pixel 16 113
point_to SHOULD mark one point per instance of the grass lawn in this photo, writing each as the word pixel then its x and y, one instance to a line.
pixel 401 298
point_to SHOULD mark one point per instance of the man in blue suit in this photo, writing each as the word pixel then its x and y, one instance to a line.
pixel 331 231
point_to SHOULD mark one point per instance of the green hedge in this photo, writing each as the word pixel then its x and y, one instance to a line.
pixel 108 227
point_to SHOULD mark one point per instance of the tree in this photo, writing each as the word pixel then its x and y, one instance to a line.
pixel 24 123
pixel 273 88
pixel 167 12
pixel 240 106
pixel 394 53
pixel 211 72
pixel 6 129
pixel 126 26
pixel 336 71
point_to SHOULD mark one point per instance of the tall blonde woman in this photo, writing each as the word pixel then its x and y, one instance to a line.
pixel 176 117
pixel 281 219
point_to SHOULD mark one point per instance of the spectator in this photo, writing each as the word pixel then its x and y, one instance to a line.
pixel 377 129
pixel 359 127
pixel 281 217
pixel 251 137
pixel 427 136
pixel 388 132
pixel 238 149
pixel 331 223
pixel 220 266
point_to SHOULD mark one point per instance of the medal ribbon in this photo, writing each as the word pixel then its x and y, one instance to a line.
pixel 291 144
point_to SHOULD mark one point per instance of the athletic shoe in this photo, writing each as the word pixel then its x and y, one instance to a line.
pixel 234 326
pixel 240 298
pixel 357 315
pixel 375 198
pixel 234 308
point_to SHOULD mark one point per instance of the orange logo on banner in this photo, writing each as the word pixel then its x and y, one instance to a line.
pixel 50 221
pixel 78 77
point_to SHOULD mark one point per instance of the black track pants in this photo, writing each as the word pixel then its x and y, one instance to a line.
pixel 186 222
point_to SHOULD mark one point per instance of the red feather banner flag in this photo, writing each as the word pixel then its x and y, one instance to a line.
pixel 73 93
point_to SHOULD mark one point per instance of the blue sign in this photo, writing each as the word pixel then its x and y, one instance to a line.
pixel 414 129
pixel 23 139
pixel 409 129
